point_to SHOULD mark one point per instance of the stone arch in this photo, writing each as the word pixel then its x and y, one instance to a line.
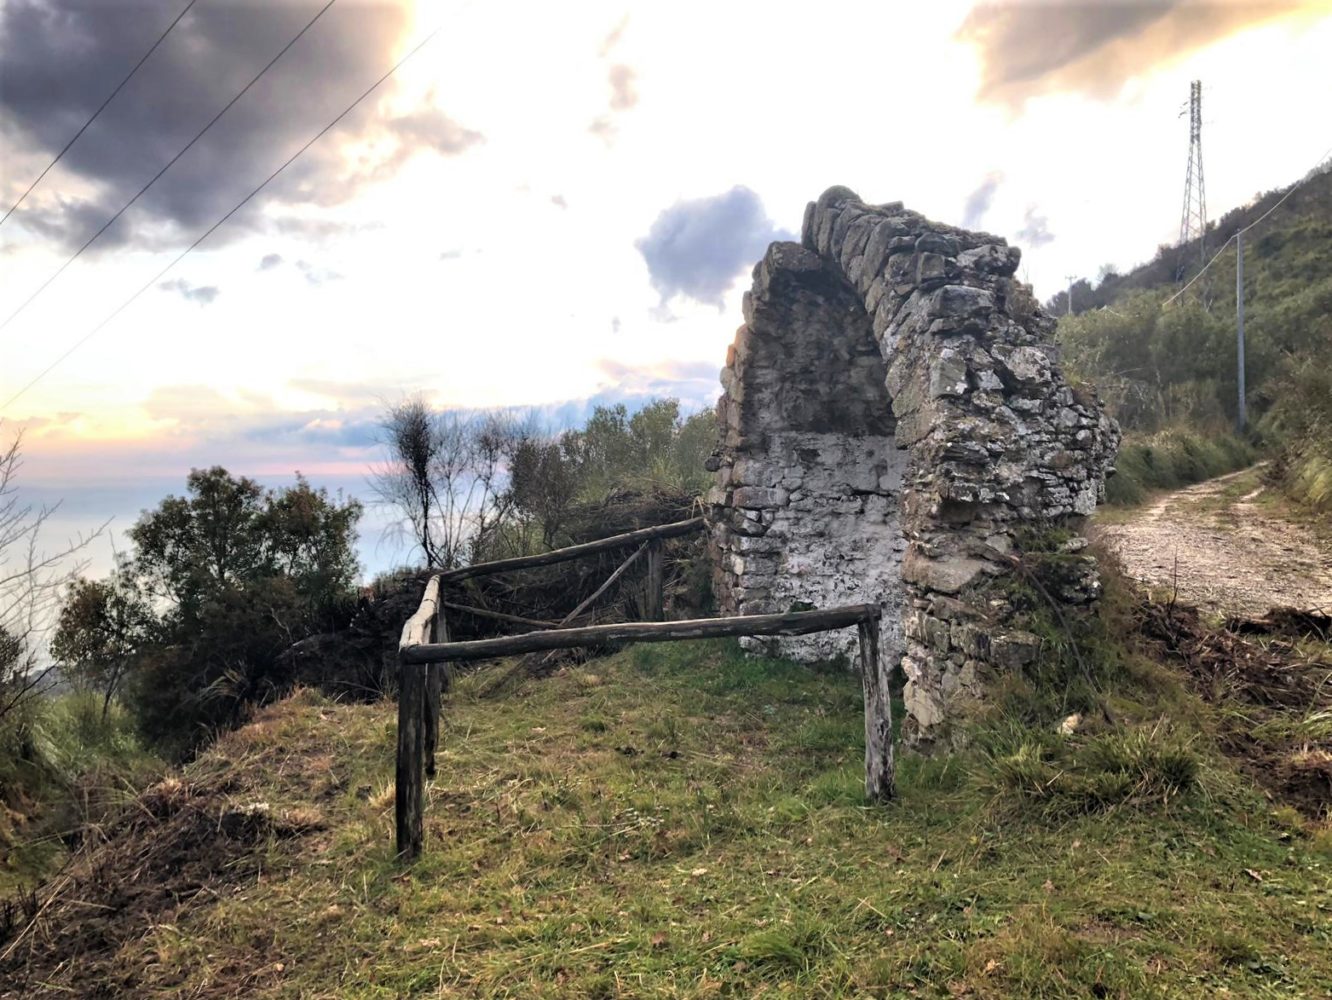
pixel 893 409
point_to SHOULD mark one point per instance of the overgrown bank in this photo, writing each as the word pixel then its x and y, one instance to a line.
pixel 1169 459
pixel 684 820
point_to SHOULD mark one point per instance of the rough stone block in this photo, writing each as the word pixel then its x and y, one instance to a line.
pixel 759 496
pixel 1013 650
pixel 945 574
pixel 948 376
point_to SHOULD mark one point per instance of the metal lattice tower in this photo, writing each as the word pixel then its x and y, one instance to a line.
pixel 1193 220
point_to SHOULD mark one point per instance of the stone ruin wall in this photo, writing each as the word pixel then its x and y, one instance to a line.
pixel 893 410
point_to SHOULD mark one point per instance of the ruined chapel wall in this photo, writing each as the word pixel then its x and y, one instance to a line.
pixel 989 434
pixel 810 494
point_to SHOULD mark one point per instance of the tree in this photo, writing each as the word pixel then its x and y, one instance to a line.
pixel 240 574
pixel 405 482
pixel 201 542
pixel 308 538
pixel 542 486
pixel 103 627
pixel 228 532
pixel 446 476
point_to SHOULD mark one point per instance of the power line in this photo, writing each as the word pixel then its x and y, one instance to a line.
pixel 124 208
pixel 1293 188
pixel 211 229
pixel 100 109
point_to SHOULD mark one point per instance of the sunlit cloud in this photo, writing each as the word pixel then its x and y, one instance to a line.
pixel 1032 48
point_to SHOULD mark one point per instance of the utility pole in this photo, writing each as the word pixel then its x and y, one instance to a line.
pixel 1239 325
pixel 1070 278
pixel 1193 220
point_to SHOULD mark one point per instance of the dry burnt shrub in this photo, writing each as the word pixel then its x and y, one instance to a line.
pixel 1270 679
pixel 180 845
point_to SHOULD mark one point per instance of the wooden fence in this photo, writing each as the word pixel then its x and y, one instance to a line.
pixel 425 650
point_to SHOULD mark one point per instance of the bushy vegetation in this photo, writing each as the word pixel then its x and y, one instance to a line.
pixel 191 626
pixel 76 762
pixel 1300 420
pixel 1173 458
pixel 1171 369
pixel 470 488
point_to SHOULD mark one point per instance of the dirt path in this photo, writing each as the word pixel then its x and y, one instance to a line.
pixel 1227 546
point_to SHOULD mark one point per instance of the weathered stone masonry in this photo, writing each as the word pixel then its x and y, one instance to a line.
pixel 893 411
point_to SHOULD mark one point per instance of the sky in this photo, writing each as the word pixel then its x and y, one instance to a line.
pixel 548 206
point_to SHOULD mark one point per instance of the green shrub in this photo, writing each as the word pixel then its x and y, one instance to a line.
pixel 1082 775
pixel 1300 422
pixel 1171 459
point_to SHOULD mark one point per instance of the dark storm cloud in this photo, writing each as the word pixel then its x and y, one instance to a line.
pixel 60 58
pixel 697 248
pixel 1035 231
pixel 1081 46
pixel 978 202
pixel 202 294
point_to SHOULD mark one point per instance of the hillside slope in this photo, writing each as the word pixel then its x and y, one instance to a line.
pixel 1160 363
pixel 686 821
pixel 1288 245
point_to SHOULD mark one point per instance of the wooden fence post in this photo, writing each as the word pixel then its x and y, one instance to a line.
pixel 655 598
pixel 409 802
pixel 434 685
pixel 417 715
pixel 878 716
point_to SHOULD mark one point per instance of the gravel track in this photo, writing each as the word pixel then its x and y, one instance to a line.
pixel 1225 549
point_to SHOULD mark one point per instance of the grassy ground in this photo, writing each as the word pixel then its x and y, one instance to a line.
pixel 64 767
pixel 682 820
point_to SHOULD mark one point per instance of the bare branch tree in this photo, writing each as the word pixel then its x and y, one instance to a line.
pixel 446 476
pixel 31 584
pixel 404 482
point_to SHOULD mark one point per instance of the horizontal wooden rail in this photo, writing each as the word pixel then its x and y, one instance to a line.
pixel 573 551
pixel 424 649
pixel 498 616
pixel 790 623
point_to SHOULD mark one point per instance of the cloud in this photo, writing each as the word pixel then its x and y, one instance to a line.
pixel 319 230
pixel 202 294
pixel 613 38
pixel 559 201
pixel 316 275
pixel 623 94
pixel 433 129
pixel 604 129
pixel 270 261
pixel 697 248
pixel 623 90
pixel 1027 49
pixel 1035 231
pixel 978 202
pixel 59 59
